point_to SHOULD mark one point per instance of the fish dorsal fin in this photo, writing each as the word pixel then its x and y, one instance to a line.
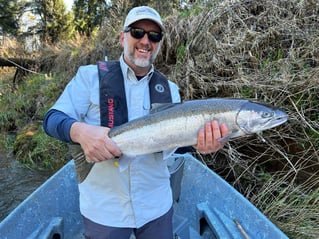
pixel 157 107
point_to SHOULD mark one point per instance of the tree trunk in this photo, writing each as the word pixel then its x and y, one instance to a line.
pixel 17 62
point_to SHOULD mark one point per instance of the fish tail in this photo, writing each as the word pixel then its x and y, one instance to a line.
pixel 82 166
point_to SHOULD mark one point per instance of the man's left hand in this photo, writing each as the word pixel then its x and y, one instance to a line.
pixel 207 139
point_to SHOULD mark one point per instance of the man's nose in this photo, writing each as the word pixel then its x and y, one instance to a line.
pixel 145 39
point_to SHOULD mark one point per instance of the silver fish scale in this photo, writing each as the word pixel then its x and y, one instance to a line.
pixel 176 126
pixel 185 109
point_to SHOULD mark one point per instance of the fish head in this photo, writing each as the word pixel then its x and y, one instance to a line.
pixel 254 117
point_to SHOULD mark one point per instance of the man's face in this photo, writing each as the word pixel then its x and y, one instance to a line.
pixel 140 53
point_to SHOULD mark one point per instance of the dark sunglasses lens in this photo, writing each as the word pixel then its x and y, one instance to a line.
pixel 137 33
pixel 155 36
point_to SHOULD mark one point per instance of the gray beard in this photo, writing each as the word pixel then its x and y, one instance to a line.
pixel 140 62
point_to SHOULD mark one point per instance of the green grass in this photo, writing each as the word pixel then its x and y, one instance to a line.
pixel 21 115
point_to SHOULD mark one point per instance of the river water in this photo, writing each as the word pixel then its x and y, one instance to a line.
pixel 16 183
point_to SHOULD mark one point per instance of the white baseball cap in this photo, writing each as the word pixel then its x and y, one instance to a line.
pixel 143 12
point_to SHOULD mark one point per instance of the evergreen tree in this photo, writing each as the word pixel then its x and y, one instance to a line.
pixel 55 22
pixel 89 15
pixel 9 16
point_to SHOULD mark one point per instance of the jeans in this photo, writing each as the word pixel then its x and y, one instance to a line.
pixel 160 228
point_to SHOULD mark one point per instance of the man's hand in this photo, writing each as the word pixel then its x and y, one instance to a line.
pixel 94 140
pixel 207 139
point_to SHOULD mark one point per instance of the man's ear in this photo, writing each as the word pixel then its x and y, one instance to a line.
pixel 122 38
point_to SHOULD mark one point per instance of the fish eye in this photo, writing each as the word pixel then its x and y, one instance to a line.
pixel 267 114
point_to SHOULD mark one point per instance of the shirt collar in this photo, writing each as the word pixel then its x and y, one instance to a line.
pixel 129 74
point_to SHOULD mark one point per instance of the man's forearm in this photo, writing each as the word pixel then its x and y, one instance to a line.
pixel 58 124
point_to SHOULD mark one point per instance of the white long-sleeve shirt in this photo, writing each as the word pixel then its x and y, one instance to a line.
pixel 139 190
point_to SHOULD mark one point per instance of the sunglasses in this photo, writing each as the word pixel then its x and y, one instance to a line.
pixel 139 33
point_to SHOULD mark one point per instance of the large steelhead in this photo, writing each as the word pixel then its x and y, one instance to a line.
pixel 177 125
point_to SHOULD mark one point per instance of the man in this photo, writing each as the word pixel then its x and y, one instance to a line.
pixel 134 196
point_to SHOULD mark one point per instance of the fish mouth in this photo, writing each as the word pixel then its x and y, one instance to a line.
pixel 276 121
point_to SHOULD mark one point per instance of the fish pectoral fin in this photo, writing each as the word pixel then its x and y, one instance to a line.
pixel 231 135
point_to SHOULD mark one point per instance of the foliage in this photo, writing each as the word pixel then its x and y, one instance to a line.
pixel 163 7
pixel 55 22
pixel 37 150
pixel 21 113
pixel 89 15
pixel 290 204
pixel 10 10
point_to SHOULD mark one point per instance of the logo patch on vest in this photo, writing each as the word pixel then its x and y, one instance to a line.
pixel 110 105
pixel 159 88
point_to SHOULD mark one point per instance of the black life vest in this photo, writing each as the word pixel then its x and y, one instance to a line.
pixel 113 107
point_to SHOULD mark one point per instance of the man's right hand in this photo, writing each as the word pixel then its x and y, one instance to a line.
pixel 95 142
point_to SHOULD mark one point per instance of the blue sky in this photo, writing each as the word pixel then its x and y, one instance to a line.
pixel 68 4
